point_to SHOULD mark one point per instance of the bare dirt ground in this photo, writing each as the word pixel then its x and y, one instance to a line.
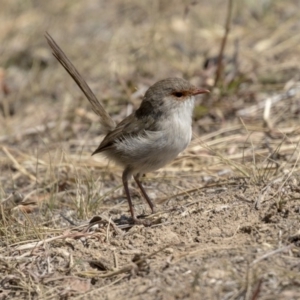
pixel 228 221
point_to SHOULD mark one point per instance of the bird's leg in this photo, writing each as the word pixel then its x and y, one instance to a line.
pixel 126 175
pixel 125 184
pixel 152 206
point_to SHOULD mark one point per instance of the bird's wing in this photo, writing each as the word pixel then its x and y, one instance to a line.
pixel 130 126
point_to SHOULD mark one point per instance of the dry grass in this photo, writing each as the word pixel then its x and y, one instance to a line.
pixel 229 221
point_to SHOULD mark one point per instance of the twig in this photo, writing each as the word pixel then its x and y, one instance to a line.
pixel 33 130
pixel 95 291
pixel 99 219
pixel 116 261
pixel 249 275
pixel 266 115
pixel 223 44
pixel 75 235
pixel 251 110
pixel 189 191
pixel 107 230
pixel 271 253
pixel 129 267
pixel 257 290
pixel 18 166
pixel 68 219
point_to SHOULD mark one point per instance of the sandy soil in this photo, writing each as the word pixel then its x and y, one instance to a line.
pixel 228 220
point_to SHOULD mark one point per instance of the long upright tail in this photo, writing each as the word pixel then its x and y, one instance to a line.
pixel 105 119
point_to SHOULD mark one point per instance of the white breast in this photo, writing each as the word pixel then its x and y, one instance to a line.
pixel 154 149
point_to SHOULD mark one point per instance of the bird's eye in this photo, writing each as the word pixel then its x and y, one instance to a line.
pixel 178 94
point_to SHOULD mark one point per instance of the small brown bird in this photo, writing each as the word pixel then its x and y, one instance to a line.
pixel 150 137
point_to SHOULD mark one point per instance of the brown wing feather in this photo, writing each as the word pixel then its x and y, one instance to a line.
pixel 131 125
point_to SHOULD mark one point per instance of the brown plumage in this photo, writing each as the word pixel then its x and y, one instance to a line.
pixel 150 137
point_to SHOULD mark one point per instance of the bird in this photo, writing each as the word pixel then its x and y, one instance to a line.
pixel 150 137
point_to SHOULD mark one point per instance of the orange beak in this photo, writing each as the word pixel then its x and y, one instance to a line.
pixel 200 91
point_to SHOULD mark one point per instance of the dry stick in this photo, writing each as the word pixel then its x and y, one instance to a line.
pixel 129 267
pixel 93 291
pixel 257 290
pixel 107 220
pixel 34 130
pixel 249 275
pixel 48 240
pixel 248 111
pixel 224 40
pixel 266 115
pixel 189 191
pixel 289 175
pixel 116 261
pixel 17 165
pixel 250 270
pixel 271 253
pixel 105 119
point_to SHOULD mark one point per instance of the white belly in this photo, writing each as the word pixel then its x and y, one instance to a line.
pixel 154 149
